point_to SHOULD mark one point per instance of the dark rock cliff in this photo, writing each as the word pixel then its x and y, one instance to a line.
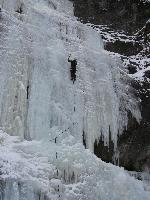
pixel 128 15
pixel 125 29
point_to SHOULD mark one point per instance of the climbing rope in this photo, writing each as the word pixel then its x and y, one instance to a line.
pixel 55 138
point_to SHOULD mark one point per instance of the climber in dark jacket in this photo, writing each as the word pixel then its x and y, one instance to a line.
pixel 73 69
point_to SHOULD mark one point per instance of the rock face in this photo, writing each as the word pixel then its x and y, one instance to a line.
pixel 115 20
pixel 134 144
pixel 128 15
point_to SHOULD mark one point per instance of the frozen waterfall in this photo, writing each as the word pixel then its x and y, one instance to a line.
pixel 59 87
pixel 37 93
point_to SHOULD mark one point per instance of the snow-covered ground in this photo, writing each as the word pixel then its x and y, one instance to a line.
pixel 31 170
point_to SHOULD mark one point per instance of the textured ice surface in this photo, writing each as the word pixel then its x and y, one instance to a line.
pixel 30 170
pixel 37 93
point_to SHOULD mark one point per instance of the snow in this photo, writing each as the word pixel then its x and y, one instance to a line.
pixel 139 75
pixel 144 176
pixel 140 61
pixel 109 35
pixel 29 169
pixel 145 1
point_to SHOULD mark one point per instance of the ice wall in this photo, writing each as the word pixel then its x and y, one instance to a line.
pixel 37 95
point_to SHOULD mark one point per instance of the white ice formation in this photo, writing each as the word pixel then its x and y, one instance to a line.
pixel 30 171
pixel 37 94
pixel 41 41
